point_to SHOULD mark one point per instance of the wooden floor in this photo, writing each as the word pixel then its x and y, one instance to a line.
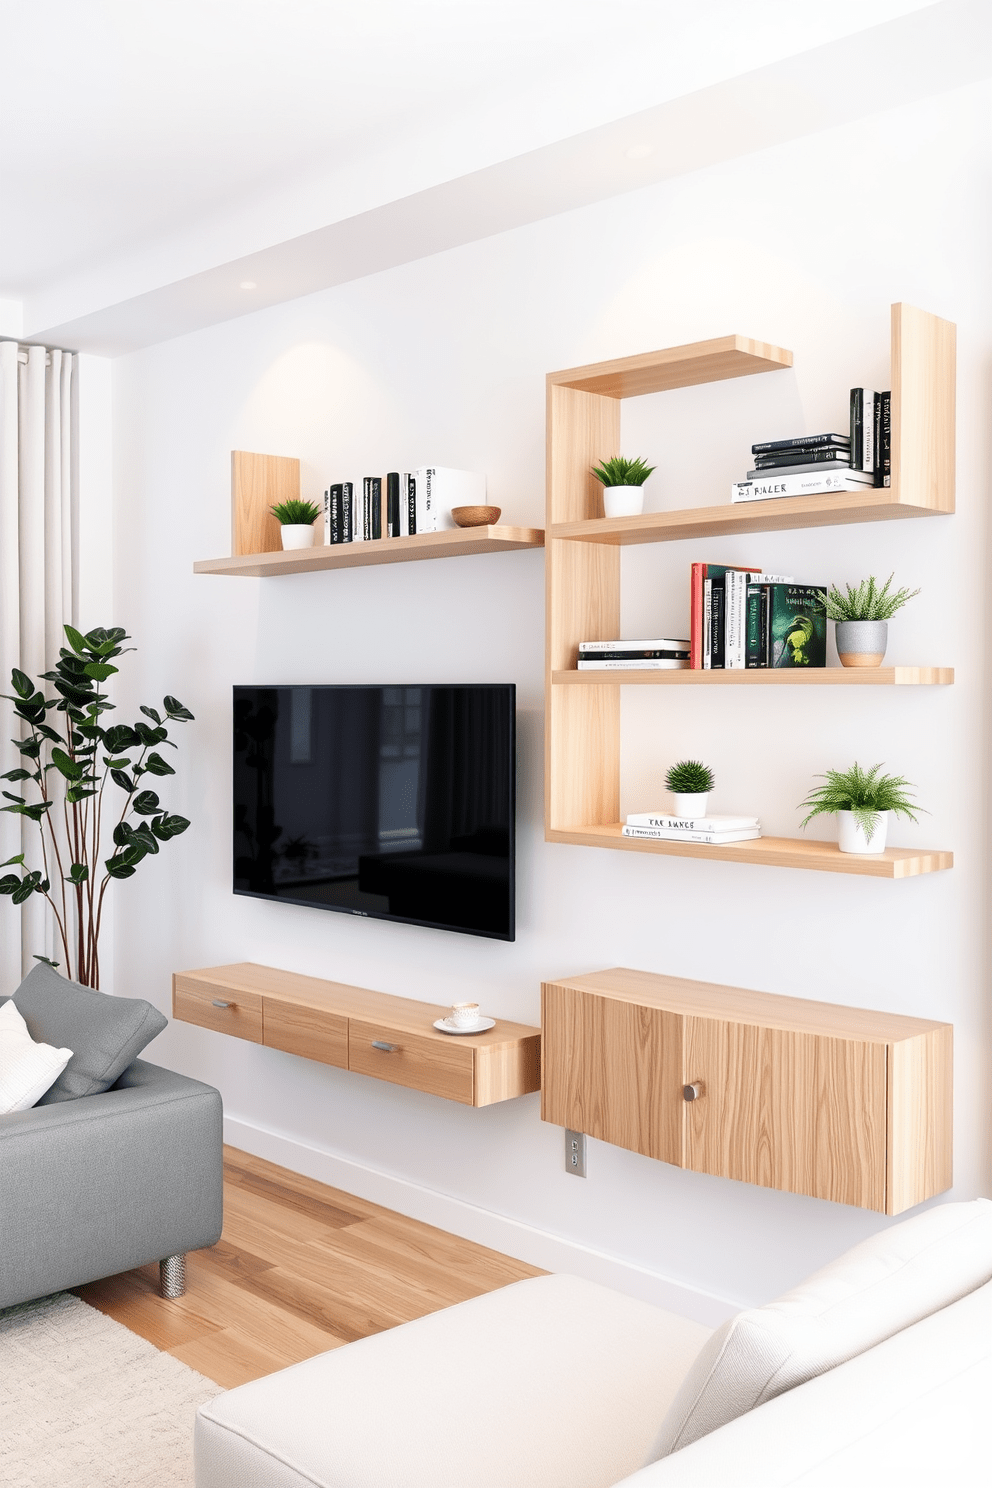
pixel 300 1268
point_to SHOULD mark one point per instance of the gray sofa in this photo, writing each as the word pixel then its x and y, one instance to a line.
pixel 99 1185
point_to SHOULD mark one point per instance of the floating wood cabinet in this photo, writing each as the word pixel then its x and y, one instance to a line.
pixel 389 1038
pixel 834 1102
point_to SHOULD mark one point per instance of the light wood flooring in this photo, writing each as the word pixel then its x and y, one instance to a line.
pixel 300 1268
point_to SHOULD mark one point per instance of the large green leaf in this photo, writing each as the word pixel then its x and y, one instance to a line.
pixel 156 765
pixel 76 641
pixel 78 873
pixel 145 803
pixel 9 883
pixel 151 713
pixel 166 826
pixel 149 736
pixel 175 710
pixel 16 775
pixel 117 867
pixel 66 766
pixel 77 793
pixel 124 781
pixel 100 670
pixel 21 683
pixel 119 737
pixel 18 859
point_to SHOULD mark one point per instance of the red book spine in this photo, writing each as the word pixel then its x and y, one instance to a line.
pixel 698 574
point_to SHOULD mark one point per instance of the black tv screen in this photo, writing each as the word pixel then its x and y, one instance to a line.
pixel 395 803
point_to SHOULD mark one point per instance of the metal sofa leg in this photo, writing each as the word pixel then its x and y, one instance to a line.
pixel 172 1276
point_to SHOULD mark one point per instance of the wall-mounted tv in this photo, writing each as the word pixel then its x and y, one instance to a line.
pixel 395 803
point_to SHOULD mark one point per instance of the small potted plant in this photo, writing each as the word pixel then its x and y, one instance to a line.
pixel 296 519
pixel 862 801
pixel 690 783
pixel 623 485
pixel 861 615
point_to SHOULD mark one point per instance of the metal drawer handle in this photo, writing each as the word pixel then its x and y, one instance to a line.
pixel 692 1092
pixel 386 1048
pixel 218 1003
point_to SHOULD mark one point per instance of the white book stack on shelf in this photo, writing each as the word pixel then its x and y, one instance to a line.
pixel 661 827
pixel 661 654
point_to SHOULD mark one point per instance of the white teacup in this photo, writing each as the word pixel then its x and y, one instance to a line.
pixel 464 1014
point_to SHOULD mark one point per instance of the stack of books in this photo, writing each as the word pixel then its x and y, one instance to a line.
pixel 655 656
pixel 407 502
pixel 811 464
pixel 660 827
pixel 741 617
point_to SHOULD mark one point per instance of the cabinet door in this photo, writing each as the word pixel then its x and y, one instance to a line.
pixel 796 1111
pixel 612 1069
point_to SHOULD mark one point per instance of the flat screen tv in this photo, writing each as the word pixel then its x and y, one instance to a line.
pixel 395 803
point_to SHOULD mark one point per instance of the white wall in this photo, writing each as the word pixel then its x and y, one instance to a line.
pixel 444 360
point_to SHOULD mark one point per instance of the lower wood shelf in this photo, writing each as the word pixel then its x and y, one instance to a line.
pixel 370 1033
pixel 763 676
pixel 770 852
pixel 449 543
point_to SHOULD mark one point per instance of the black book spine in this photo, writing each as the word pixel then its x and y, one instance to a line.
pixel 633 656
pixel 393 504
pixel 411 504
pixel 883 445
pixel 765 621
pixel 336 514
pixel 814 455
pixel 367 508
pixel 857 428
pixel 347 511
pixel 376 504
pixel 718 649
pixel 803 441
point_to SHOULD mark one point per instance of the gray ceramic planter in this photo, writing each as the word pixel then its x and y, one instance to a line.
pixel 861 643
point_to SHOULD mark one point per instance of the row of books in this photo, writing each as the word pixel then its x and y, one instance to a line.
pixel 659 655
pixel 741 617
pixel 656 825
pixel 811 464
pixel 405 503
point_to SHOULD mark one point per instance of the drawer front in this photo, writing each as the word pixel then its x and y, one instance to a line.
pixel 225 1011
pixel 312 1032
pixel 419 1063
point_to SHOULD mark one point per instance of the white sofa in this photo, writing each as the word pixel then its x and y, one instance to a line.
pixel 877 1370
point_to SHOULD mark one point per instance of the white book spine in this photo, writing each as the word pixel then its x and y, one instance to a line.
pixel 735 612
pixel 799 485
pixel 404 505
pixel 660 822
pixel 650 664
pixel 660 835
pixel 660 644
pixel 707 624
pixel 868 434
pixel 426 511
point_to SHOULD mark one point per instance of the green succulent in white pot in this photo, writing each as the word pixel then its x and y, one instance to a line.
pixel 861 616
pixel 623 485
pixel 296 519
pixel 690 783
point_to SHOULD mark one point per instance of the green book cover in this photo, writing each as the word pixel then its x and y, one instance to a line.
pixel 797 625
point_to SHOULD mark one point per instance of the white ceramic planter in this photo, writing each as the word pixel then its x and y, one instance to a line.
pixel 861 643
pixel 296 535
pixel 688 806
pixel 623 501
pixel 851 835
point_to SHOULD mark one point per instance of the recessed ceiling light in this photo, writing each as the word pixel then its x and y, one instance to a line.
pixel 247 284
pixel 639 152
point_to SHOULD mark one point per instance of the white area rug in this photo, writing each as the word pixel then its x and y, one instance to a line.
pixel 86 1403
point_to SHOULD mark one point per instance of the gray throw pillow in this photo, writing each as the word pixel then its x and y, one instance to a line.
pixel 105 1033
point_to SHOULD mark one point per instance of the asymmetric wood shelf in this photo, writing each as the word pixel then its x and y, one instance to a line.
pixel 770 852
pixel 582 719
pixel 834 1102
pixel 259 482
pixel 763 676
pixel 371 1033
pixel 446 544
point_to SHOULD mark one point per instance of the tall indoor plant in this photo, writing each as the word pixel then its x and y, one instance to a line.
pixel 69 767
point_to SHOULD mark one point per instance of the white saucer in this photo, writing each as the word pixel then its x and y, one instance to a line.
pixel 444 1025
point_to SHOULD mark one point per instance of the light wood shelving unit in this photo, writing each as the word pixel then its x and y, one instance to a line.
pixel 813 1098
pixel 582 731
pixel 353 1028
pixel 258 482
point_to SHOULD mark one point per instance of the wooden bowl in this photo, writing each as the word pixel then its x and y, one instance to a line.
pixel 475 516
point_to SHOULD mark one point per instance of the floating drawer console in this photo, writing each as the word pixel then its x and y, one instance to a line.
pixel 835 1102
pixel 390 1038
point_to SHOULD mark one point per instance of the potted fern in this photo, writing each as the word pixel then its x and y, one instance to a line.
pixel 296 519
pixel 690 783
pixel 623 485
pixel 862 801
pixel 861 615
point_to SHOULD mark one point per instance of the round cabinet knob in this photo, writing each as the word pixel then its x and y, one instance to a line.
pixel 692 1092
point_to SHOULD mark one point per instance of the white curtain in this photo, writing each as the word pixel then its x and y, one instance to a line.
pixel 38 542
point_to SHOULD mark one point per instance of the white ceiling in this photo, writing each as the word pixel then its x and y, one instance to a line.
pixel 148 146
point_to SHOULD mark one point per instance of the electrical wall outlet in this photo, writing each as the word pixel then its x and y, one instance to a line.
pixel 575 1153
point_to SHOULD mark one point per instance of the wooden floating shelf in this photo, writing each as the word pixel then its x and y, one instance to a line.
pixel 450 543
pixel 830 509
pixel 770 852
pixel 675 367
pixel 763 676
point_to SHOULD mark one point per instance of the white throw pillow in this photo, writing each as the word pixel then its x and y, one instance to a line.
pixel 27 1069
pixel 883 1285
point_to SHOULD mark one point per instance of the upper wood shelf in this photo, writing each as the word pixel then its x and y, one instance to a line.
pixel 675 367
pixel 770 852
pixel 447 544
pixel 760 676
pixel 830 509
